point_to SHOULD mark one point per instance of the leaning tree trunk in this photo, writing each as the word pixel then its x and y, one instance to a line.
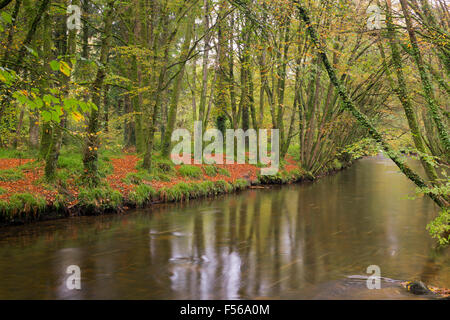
pixel 403 96
pixel 427 88
pixel 348 104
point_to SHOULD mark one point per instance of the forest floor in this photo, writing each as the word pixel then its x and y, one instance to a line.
pixel 26 196
pixel 33 177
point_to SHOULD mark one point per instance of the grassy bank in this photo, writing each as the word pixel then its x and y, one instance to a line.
pixel 26 197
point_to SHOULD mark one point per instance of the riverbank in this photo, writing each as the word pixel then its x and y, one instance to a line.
pixel 26 197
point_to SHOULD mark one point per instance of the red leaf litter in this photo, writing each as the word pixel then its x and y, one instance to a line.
pixel 27 185
pixel 127 164
pixel 121 167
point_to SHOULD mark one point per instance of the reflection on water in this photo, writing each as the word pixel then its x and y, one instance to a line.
pixel 303 241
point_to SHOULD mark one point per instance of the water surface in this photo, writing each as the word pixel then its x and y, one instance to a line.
pixel 306 241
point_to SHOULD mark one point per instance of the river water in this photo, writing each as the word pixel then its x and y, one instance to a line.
pixel 306 241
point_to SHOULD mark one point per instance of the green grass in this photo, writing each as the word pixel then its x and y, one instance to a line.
pixel 337 165
pixel 144 175
pixel 159 165
pixel 241 184
pixel 17 154
pixel 11 175
pixel 283 177
pixel 138 177
pixel 61 202
pixel 210 170
pixel 72 163
pixel 190 171
pixel 22 206
pixel 164 165
pixel 142 195
pixel 162 169
pixel 184 191
pixel 97 200
pixel 223 172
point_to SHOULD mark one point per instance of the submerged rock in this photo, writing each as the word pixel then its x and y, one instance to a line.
pixel 418 288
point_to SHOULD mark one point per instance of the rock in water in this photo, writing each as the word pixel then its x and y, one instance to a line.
pixel 418 288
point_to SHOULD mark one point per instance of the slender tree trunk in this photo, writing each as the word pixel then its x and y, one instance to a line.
pixel 206 49
pixel 360 117
pixel 403 96
pixel 11 30
pixel 222 79
pixel 90 153
pixel 427 88
pixel 34 130
pixel 173 107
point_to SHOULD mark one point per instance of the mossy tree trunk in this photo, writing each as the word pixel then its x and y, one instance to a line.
pixel 202 105
pixel 358 115
pixel 162 61
pixel 426 83
pixel 222 79
pixel 403 95
pixel 90 152
pixel 173 106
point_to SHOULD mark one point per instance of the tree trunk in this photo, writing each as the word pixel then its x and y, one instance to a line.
pixel 427 89
pixel 172 114
pixel 360 117
pixel 90 153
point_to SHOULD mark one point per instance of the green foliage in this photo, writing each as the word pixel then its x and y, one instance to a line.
pixel 281 177
pixel 99 199
pixel 294 151
pixel 22 206
pixel 144 175
pixel 221 186
pixel 11 175
pixel 223 172
pixel 298 175
pixel 364 147
pixel 441 190
pixel 164 165
pixel 7 76
pixel 137 177
pixel 210 170
pixel 190 171
pixel 52 104
pixel 184 191
pixel 337 165
pixel 2 190
pixel 440 227
pixel 72 162
pixel 142 194
pixel 172 194
pixel 159 165
pixel 61 202
pixel 241 184
pixel 16 154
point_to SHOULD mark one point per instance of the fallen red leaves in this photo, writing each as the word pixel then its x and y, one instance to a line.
pixel 12 163
pixel 121 167
pixel 27 185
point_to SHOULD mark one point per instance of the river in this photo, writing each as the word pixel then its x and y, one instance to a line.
pixel 305 241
